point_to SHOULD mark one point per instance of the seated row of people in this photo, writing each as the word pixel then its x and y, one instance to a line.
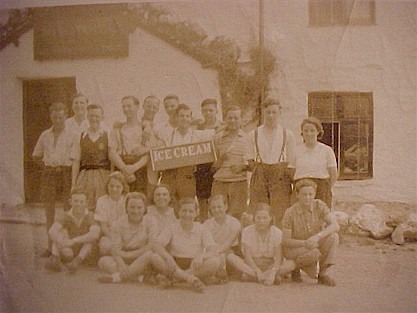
pixel 148 242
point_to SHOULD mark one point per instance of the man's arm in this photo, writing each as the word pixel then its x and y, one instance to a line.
pixel 288 241
pixel 91 236
pixel 227 244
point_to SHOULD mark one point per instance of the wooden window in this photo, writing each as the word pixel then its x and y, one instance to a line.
pixel 341 12
pixel 347 119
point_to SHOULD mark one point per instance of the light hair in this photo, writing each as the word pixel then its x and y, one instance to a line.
pixel 305 182
pixel 120 177
pixel 135 195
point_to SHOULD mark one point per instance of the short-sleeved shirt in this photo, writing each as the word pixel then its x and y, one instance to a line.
pixel 259 245
pixel 130 236
pixel 186 244
pixel 313 163
pixel 130 135
pixel 238 148
pixel 161 221
pixel 175 138
pixel 222 232
pixel 305 223
pixel 109 211
pixel 58 155
pixel 75 228
pixel 72 124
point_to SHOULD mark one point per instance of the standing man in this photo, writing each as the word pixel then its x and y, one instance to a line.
pixel 181 180
pixel 203 174
pixel 233 147
pixel 78 123
pixel 126 148
pixel 274 148
pixel 171 103
pixel 52 152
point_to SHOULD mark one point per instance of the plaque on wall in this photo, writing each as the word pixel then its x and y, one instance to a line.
pixel 81 32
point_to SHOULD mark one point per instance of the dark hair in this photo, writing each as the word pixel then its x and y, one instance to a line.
pixel 120 177
pixel 261 206
pixel 305 182
pixel 316 122
pixel 188 200
pixel 151 97
pixel 183 106
pixel 133 98
pixel 136 195
pixel 209 101
pixel 171 96
pixel 270 102
pixel 78 191
pixel 58 106
pixel 233 108
pixel 160 186
pixel 78 95
pixel 95 106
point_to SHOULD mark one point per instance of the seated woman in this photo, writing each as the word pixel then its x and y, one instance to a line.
pixel 261 245
pixel 185 251
pixel 110 208
pixel 161 212
pixel 131 249
pixel 310 234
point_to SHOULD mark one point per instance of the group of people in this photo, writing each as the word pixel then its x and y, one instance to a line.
pixel 185 224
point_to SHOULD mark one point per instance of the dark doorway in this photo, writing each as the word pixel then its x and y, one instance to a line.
pixel 38 95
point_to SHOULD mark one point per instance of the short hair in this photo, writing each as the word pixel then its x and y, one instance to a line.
pixel 183 106
pixel 188 200
pixel 305 182
pixel 135 195
pixel 151 97
pixel 209 101
pixel 133 98
pixel 233 108
pixel 261 206
pixel 170 97
pixel 216 197
pixel 78 191
pixel 270 102
pixel 316 122
pixel 120 177
pixel 78 95
pixel 58 106
pixel 160 186
pixel 94 107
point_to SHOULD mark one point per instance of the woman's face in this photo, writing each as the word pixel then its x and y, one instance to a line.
pixel 262 219
pixel 271 115
pixel 306 196
pixel 79 106
pixel 217 208
pixel 115 188
pixel 161 197
pixel 135 210
pixel 310 133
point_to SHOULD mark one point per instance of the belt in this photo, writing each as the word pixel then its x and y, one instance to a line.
pixel 57 168
pixel 94 167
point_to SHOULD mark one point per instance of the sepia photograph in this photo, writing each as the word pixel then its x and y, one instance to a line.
pixel 208 156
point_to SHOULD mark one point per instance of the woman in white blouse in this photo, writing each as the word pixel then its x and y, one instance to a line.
pixel 315 160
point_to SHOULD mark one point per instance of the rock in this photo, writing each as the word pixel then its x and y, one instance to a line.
pixel 370 218
pixel 406 231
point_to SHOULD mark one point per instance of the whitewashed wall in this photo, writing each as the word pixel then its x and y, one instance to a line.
pixel 152 67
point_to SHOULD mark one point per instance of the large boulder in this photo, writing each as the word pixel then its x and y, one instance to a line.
pixel 406 231
pixel 371 219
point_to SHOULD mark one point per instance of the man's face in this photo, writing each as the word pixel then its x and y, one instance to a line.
pixel 217 207
pixel 135 210
pixel 262 219
pixel 58 118
pixel 209 112
pixel 184 118
pixel 234 120
pixel 94 116
pixel 306 196
pixel 79 204
pixel 79 106
pixel 151 107
pixel 129 108
pixel 170 106
pixel 187 212
pixel 272 114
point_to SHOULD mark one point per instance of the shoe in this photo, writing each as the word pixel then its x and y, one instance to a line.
pixel 106 279
pixel 74 264
pixel 198 285
pixel 326 280
pixel 296 276
pixel 54 264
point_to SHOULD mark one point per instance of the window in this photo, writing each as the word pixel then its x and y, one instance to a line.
pixel 341 12
pixel 347 119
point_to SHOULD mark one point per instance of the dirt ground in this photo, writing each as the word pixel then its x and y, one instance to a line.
pixel 372 276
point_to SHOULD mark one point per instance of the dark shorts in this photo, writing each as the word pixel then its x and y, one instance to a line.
pixel 56 184
pixel 204 180
pixel 183 263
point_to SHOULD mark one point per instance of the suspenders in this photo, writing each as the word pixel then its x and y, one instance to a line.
pixel 284 142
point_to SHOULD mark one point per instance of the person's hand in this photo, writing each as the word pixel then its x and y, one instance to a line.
pixel 312 242
pixel 140 151
pixel 237 169
pixel 196 263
